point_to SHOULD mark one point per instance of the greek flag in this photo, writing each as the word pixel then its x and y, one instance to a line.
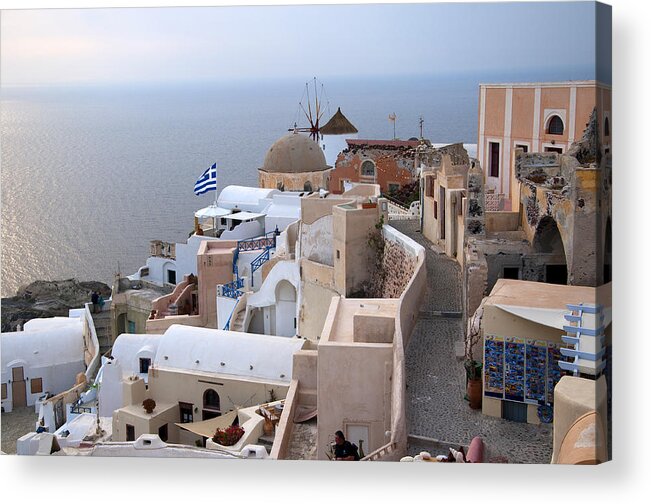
pixel 207 181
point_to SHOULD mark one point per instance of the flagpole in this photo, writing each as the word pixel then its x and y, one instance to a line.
pixel 215 184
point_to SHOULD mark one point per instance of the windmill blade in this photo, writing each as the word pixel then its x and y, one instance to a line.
pixel 309 106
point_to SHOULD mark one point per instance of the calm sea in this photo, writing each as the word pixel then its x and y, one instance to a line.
pixel 91 174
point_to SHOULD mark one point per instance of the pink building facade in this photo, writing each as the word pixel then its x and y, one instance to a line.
pixel 536 117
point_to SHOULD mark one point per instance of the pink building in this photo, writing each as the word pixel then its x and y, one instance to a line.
pixel 536 117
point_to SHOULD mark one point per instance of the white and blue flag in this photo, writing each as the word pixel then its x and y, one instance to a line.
pixel 207 181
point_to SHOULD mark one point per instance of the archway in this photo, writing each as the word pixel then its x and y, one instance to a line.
pixel 285 309
pixel 548 243
pixel 211 405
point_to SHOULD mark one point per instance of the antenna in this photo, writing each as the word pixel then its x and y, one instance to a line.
pixel 392 118
pixel 420 122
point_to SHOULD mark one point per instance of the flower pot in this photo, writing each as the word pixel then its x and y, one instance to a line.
pixel 474 393
pixel 369 205
pixel 268 427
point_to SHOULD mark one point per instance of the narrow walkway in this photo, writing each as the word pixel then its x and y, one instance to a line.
pixel 15 425
pixel 436 407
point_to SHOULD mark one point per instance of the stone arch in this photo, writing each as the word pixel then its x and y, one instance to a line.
pixel 548 242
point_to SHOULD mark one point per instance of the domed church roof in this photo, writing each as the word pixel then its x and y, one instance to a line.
pixel 294 153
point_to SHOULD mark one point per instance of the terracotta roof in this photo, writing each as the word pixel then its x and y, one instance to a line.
pixel 382 143
pixel 338 125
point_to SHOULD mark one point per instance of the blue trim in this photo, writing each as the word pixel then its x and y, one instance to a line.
pixel 573 318
pixel 570 340
pixel 585 309
pixel 568 366
pixel 584 330
pixel 568 352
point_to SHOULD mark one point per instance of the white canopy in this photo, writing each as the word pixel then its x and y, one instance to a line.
pixel 211 211
pixel 550 317
pixel 243 216
pixel 207 428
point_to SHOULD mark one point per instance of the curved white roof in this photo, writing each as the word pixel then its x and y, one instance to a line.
pixel 242 354
pixel 39 324
pixel 127 347
pixel 245 198
pixel 43 348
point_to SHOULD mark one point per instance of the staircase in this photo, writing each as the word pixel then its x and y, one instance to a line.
pixel 102 323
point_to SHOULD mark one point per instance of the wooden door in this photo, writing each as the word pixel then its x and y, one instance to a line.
pixel 18 388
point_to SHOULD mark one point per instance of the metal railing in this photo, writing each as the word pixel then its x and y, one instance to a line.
pixel 396 202
pixel 232 289
pixel 257 263
pixel 381 452
pixel 256 243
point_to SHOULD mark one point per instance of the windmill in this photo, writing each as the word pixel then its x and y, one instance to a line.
pixel 313 114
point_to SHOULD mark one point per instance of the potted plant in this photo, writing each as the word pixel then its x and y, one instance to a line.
pixel 369 204
pixel 228 436
pixel 149 405
pixel 472 366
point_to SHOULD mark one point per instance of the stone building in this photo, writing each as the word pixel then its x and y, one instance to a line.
pixel 560 231
pixel 294 162
pixel 389 163
pixel 534 117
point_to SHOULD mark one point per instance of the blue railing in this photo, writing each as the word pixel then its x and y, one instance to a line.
pixel 257 243
pixel 231 289
pixel 227 326
pixel 257 263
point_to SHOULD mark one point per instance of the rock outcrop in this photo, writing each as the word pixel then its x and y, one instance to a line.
pixel 48 299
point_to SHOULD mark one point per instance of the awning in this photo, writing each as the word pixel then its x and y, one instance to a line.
pixel 212 211
pixel 242 216
pixel 549 317
pixel 207 428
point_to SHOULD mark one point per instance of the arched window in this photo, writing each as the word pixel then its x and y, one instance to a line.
pixel 555 126
pixel 368 169
pixel 606 127
pixel 211 400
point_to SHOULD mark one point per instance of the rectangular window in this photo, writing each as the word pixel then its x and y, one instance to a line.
pixel 131 327
pixel 338 254
pixel 494 158
pixel 36 385
pixel 185 411
pixel 511 272
pixel 131 433
pixel 436 209
pixel 554 149
pixel 525 148
pixel 144 365
pixel 429 187
pixel 171 276
pixel 162 433
pixel 4 391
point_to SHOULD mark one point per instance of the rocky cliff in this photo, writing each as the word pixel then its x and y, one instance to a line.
pixel 48 299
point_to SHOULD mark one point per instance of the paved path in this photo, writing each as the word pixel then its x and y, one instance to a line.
pixel 15 425
pixel 436 407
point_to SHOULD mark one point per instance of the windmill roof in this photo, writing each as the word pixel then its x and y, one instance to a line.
pixel 338 125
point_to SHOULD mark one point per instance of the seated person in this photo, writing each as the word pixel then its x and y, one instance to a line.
pixel 344 450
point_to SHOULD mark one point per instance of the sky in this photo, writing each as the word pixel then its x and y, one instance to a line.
pixel 119 45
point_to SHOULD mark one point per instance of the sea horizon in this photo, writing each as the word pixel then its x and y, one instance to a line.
pixel 91 173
